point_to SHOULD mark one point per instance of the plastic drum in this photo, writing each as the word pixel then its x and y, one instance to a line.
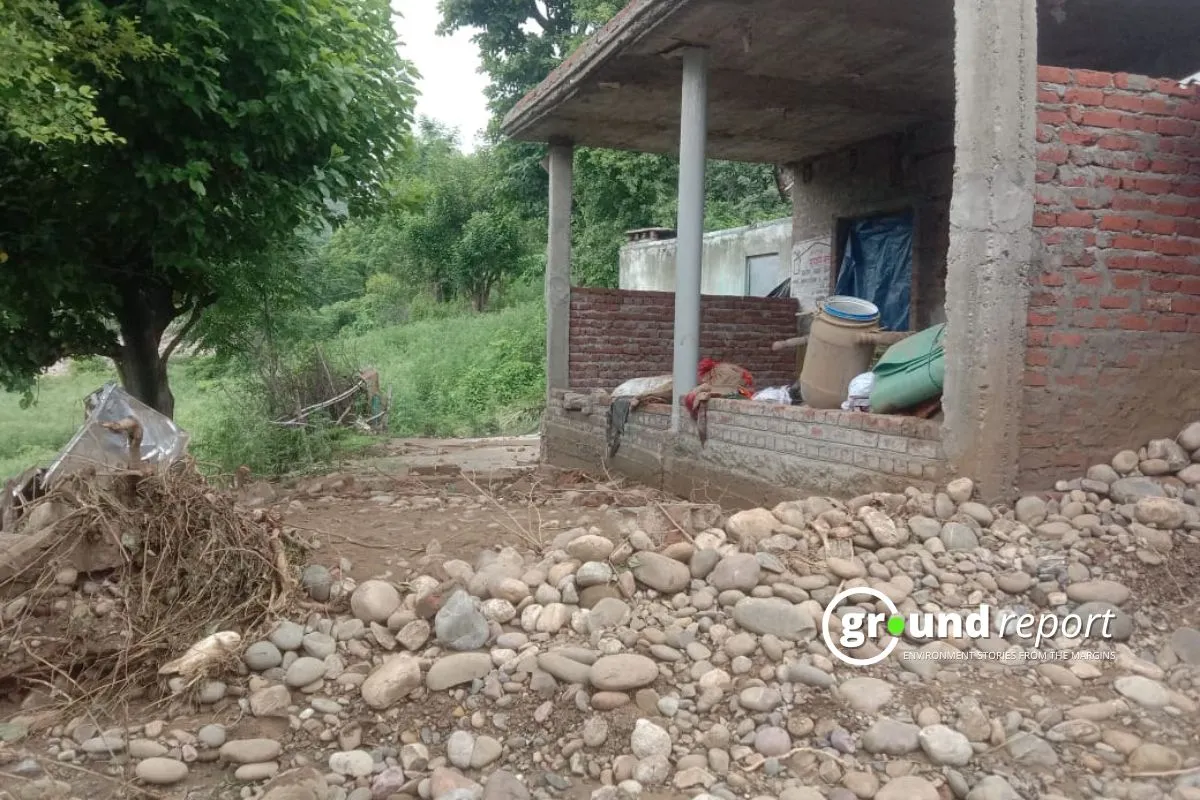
pixel 852 309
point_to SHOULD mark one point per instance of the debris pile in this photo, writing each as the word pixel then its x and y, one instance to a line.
pixel 119 556
pixel 129 571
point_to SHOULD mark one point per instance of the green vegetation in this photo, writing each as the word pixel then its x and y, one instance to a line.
pixel 244 180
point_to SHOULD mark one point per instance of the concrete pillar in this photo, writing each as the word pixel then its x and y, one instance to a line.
pixel 558 266
pixel 991 239
pixel 693 132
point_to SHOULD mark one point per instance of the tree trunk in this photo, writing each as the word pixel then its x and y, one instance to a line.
pixel 144 374
pixel 143 319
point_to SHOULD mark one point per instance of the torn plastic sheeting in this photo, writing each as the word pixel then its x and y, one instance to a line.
pixel 102 445
pixel 877 266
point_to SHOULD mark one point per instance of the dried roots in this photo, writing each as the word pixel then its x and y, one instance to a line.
pixel 182 563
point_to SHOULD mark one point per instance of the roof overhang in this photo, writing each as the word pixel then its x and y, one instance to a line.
pixel 786 79
pixel 792 79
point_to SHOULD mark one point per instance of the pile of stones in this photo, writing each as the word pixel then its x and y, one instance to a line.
pixel 703 668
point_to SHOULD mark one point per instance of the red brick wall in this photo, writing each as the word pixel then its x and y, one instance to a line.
pixel 1114 317
pixel 620 334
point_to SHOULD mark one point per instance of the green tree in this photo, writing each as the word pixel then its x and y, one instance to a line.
pixel 520 42
pixel 47 48
pixel 262 118
pixel 461 237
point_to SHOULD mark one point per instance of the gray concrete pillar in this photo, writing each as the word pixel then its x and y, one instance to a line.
pixel 991 239
pixel 693 132
pixel 558 266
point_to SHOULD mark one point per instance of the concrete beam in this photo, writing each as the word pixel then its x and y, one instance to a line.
pixel 991 239
pixel 689 243
pixel 737 91
pixel 558 267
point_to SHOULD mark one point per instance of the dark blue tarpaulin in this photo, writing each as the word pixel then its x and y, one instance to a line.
pixel 877 266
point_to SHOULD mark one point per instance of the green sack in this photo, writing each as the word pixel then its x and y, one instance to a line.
pixel 910 372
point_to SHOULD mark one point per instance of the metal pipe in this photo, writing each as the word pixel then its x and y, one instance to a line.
pixel 693 132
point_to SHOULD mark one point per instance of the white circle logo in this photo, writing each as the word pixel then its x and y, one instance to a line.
pixel 827 634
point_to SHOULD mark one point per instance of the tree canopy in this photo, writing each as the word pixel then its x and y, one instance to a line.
pixel 233 126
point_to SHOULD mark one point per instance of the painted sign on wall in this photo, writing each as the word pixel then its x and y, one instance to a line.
pixel 811 265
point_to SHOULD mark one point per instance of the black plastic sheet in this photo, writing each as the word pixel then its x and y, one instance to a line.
pixel 877 266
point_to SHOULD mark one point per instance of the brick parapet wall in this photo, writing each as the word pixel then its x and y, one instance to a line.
pixel 1114 314
pixel 767 450
pixel 620 334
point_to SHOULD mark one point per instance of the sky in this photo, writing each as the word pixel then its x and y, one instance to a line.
pixel 450 84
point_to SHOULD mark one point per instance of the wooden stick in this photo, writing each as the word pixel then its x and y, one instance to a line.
pixel 790 344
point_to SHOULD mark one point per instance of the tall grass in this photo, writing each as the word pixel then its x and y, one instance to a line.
pixel 461 375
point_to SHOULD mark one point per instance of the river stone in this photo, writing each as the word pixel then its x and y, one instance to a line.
pixel 609 612
pixel 304 671
pixel 924 528
pixel 1098 591
pixel 250 751
pixel 457 669
pixel 883 528
pixel 317 581
pixel 394 679
pixel 286 635
pixel 622 672
pixel 161 771
pixel 775 617
pixel 772 741
pixel 751 526
pixel 957 536
pixel 565 668
pixel 460 623
pixel 892 738
pixel 1186 644
pixel 319 645
pixel 664 575
pixel 1033 751
pixel 590 547
pixel 1151 757
pixel 270 701
pixel 1031 510
pixel 352 763
pixel 649 740
pixel 736 571
pixel 759 699
pixel 1161 512
pixel 262 656
pixel 593 573
pixel 1143 691
pixel 945 746
pixel 374 601
pixel 259 771
pixel 1130 490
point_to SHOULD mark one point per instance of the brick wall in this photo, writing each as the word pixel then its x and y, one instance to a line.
pixel 618 334
pixel 1114 314
pixel 756 453
pixel 911 170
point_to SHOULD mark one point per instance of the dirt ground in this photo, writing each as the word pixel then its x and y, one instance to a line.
pixel 400 512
